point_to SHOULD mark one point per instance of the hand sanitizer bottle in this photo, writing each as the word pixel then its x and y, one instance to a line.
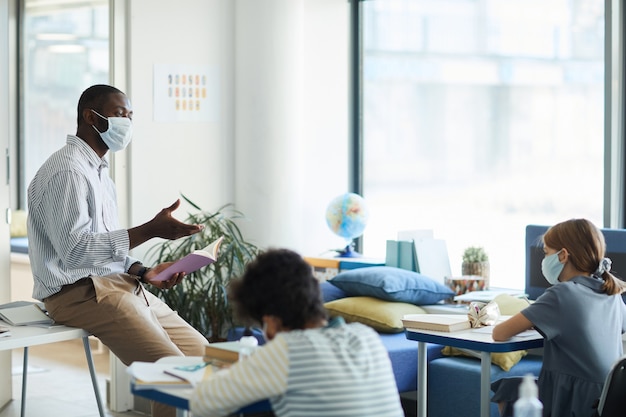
pixel 248 345
pixel 528 405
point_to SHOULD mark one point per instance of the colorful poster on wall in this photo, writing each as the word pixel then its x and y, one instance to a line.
pixel 185 93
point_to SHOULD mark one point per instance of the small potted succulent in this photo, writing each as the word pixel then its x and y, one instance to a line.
pixel 476 262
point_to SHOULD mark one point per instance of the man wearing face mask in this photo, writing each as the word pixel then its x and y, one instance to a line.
pixel 79 254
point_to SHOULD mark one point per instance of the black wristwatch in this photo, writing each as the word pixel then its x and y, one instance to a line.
pixel 142 271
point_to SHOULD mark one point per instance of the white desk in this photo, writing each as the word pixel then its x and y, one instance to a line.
pixel 26 336
pixel 179 398
pixel 467 339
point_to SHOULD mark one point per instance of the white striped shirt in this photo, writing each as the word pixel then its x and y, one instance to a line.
pixel 341 371
pixel 73 226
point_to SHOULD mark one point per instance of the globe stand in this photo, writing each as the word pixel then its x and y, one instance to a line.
pixel 348 252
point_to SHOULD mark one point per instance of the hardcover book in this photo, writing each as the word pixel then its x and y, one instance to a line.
pixel 436 322
pixel 227 352
pixel 401 254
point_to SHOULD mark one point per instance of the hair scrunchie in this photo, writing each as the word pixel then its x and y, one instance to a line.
pixel 605 266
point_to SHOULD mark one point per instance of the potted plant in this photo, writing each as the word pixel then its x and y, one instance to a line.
pixel 476 262
pixel 201 298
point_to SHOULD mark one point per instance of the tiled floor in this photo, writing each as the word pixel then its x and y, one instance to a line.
pixel 59 383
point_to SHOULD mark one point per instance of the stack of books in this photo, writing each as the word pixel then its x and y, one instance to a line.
pixel 436 322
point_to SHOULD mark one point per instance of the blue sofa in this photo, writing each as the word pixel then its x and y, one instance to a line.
pixel 403 355
pixel 19 245
pixel 453 382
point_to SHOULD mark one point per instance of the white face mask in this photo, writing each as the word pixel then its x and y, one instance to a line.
pixel 119 133
pixel 551 267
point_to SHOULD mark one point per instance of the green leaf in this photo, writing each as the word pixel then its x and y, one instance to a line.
pixel 201 298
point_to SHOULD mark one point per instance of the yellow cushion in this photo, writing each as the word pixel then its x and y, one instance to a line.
pixel 508 306
pixel 505 360
pixel 383 316
pixel 18 223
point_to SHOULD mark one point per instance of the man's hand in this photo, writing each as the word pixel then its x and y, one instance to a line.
pixel 175 279
pixel 163 225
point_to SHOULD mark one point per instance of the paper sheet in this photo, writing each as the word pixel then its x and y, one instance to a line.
pixel 523 335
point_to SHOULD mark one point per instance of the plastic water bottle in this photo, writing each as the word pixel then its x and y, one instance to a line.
pixel 528 405
pixel 248 345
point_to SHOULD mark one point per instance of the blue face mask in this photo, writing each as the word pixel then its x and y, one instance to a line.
pixel 551 268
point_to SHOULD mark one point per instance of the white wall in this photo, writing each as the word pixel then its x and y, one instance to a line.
pixel 279 147
pixel 172 158
pixel 291 117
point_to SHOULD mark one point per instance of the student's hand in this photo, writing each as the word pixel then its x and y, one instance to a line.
pixel 509 328
pixel 175 279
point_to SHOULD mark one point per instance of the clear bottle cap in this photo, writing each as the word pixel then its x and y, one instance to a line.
pixel 528 387
pixel 249 341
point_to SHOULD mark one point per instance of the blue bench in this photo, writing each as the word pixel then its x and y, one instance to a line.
pixel 403 356
pixel 19 245
pixel 454 384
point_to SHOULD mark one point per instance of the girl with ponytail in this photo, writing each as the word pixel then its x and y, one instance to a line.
pixel 581 316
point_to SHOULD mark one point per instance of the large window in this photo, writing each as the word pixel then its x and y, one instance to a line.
pixel 480 117
pixel 65 49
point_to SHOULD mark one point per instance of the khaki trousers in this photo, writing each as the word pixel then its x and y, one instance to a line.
pixel 133 323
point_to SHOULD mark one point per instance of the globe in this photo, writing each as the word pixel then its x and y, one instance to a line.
pixel 347 216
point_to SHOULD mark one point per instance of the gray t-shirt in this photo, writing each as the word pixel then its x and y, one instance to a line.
pixel 582 327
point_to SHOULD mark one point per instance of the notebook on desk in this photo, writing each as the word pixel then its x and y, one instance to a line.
pixel 486 296
pixel 23 313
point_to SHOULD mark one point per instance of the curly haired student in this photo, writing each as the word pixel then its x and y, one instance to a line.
pixel 311 366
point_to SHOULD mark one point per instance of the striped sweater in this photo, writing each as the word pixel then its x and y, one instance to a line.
pixel 341 370
pixel 73 227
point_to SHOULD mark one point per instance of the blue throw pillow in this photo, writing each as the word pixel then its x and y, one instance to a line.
pixel 331 292
pixel 392 284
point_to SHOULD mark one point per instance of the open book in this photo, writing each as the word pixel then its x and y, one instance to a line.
pixel 192 262
pixel 169 372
